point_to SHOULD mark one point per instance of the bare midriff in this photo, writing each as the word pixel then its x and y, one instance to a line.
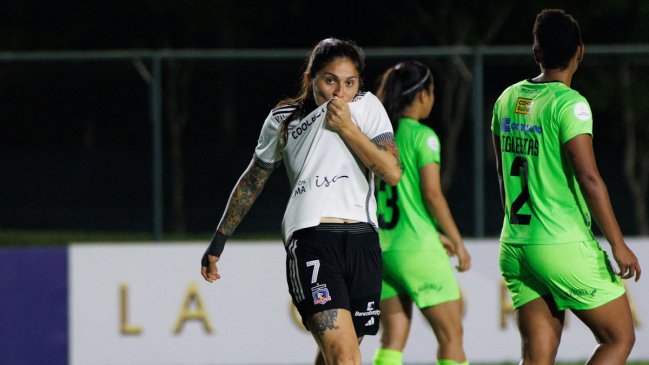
pixel 336 220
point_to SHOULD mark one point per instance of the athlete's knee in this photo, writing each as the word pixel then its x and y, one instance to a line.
pixel 342 353
pixel 627 338
pixel 343 357
pixel 541 344
pixel 450 335
pixel 622 340
pixel 631 340
pixel 540 349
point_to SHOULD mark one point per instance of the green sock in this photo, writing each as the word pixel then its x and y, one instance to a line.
pixel 450 362
pixel 388 357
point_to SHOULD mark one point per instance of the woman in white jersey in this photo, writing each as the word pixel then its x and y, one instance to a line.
pixel 551 191
pixel 416 267
pixel 332 139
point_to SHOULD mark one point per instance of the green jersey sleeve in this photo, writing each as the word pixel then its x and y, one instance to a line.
pixel 428 149
pixel 495 121
pixel 575 118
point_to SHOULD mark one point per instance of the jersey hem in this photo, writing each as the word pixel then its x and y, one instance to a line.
pixel 548 242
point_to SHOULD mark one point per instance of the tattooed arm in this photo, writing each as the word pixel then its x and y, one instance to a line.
pixel 379 155
pixel 244 194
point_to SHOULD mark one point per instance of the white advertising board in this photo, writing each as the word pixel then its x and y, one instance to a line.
pixel 148 304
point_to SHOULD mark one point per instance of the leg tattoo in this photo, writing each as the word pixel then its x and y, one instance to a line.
pixel 320 322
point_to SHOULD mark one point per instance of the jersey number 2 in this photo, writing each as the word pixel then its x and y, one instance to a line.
pixel 520 168
pixel 391 203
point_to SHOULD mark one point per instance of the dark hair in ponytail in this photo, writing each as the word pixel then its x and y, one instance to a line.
pixel 400 84
pixel 322 54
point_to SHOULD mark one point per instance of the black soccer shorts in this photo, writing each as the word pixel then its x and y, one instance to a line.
pixel 336 266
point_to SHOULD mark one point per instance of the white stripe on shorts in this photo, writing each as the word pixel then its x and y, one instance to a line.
pixel 296 287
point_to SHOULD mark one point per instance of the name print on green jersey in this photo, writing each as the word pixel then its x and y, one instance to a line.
pixel 520 145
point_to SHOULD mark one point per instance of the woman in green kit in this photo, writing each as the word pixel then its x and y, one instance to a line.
pixel 416 265
pixel 551 191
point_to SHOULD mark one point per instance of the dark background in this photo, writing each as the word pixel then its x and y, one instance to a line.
pixel 75 136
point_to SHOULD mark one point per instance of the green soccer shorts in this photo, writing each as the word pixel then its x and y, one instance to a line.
pixel 425 276
pixel 578 275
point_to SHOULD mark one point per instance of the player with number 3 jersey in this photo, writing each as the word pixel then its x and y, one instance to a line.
pixel 416 266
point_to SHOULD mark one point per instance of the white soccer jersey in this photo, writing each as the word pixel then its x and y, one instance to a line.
pixel 327 180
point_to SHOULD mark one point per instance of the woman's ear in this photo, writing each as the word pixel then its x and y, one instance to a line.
pixel 580 53
pixel 421 95
pixel 537 55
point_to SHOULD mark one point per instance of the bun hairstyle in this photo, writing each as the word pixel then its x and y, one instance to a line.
pixel 400 84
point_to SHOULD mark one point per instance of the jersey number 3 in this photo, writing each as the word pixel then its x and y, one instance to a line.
pixel 391 203
pixel 520 168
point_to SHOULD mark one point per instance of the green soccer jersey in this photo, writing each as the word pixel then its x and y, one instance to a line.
pixel 543 201
pixel 403 218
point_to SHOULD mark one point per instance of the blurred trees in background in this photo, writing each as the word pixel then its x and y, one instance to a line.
pixel 30 26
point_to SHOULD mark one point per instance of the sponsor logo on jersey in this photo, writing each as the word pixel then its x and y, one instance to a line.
pixel 523 105
pixel 370 306
pixel 369 312
pixel 507 126
pixel 299 129
pixel 582 111
pixel 429 286
pixel 325 181
pixel 302 187
pixel 529 91
pixel 370 322
pixel 589 293
pixel 374 312
pixel 299 190
pixel 320 294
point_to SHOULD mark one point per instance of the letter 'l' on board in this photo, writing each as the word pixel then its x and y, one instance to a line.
pixel 186 313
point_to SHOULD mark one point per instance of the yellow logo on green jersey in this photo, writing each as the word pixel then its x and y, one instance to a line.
pixel 523 106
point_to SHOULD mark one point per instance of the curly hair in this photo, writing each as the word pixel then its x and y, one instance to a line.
pixel 556 38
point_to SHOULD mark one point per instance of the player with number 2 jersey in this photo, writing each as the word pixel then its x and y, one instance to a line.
pixel 551 191
pixel 544 203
